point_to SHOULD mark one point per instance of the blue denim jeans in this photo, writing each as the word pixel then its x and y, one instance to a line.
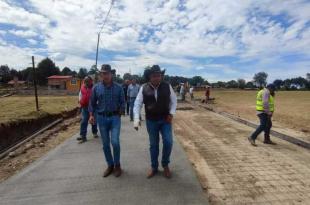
pixel 84 123
pixel 165 129
pixel 265 125
pixel 132 103
pixel 110 130
pixel 127 106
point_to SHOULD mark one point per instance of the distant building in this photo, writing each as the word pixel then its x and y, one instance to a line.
pixel 200 88
pixel 64 82
pixel 16 83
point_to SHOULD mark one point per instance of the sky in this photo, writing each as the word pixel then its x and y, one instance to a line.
pixel 216 39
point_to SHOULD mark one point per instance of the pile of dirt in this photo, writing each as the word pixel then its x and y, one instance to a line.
pixel 37 147
pixel 13 132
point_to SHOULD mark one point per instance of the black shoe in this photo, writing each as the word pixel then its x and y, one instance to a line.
pixel 95 135
pixel 252 141
pixel 82 140
pixel 269 142
pixel 79 138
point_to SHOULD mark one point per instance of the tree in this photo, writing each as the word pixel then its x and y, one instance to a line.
pixel 232 84
pixel 74 73
pixel 45 69
pixel 287 84
pixel 250 85
pixel 219 84
pixel 5 74
pixel 93 70
pixel 82 73
pixel 14 73
pixel 308 81
pixel 241 83
pixel 27 74
pixel 278 83
pixel 299 82
pixel 260 79
pixel 196 80
pixel 127 76
pixel 117 78
pixel 66 71
pixel 206 82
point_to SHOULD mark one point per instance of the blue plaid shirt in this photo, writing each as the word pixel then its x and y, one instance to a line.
pixel 107 98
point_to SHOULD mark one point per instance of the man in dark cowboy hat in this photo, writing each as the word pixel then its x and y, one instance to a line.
pixel 107 100
pixel 160 105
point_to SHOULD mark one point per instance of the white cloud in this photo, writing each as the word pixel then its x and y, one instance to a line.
pixel 15 57
pixel 24 33
pixel 171 32
pixel 21 17
pixel 32 41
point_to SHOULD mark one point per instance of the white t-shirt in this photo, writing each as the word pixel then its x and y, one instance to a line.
pixel 191 90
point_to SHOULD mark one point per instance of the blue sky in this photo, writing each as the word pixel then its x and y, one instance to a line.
pixel 217 39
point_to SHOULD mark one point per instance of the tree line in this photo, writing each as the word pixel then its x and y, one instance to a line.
pixel 47 67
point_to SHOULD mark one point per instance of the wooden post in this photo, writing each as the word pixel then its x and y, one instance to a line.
pixel 35 84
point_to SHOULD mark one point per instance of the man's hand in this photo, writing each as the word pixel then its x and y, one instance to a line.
pixel 136 124
pixel 92 120
pixel 169 118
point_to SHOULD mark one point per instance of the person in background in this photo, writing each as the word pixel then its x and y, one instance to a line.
pixel 84 97
pixel 182 92
pixel 160 105
pixel 191 92
pixel 108 102
pixel 208 93
pixel 132 93
pixel 125 89
pixel 265 110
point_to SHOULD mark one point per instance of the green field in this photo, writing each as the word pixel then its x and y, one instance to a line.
pixel 292 107
pixel 23 107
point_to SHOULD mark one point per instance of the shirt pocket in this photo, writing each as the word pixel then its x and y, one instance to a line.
pixel 115 96
pixel 100 96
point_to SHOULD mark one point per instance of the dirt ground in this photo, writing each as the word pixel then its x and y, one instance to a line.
pixel 292 107
pixel 23 107
pixel 37 147
pixel 233 172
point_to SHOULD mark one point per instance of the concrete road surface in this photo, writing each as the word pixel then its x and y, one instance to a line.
pixel 72 174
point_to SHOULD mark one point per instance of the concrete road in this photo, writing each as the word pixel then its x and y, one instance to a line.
pixel 72 174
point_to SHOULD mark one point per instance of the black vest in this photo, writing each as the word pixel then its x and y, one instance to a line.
pixel 156 110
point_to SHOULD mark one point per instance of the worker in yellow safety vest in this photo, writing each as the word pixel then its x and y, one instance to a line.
pixel 265 109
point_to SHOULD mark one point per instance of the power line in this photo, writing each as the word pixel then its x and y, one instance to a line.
pixel 104 22
pixel 106 17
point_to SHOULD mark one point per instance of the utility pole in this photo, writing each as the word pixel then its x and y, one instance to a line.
pixel 97 50
pixel 35 84
pixel 104 22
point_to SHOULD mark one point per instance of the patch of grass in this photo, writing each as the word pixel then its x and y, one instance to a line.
pixel 292 108
pixel 23 107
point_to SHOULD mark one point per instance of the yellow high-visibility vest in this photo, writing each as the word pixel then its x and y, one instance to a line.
pixel 260 103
